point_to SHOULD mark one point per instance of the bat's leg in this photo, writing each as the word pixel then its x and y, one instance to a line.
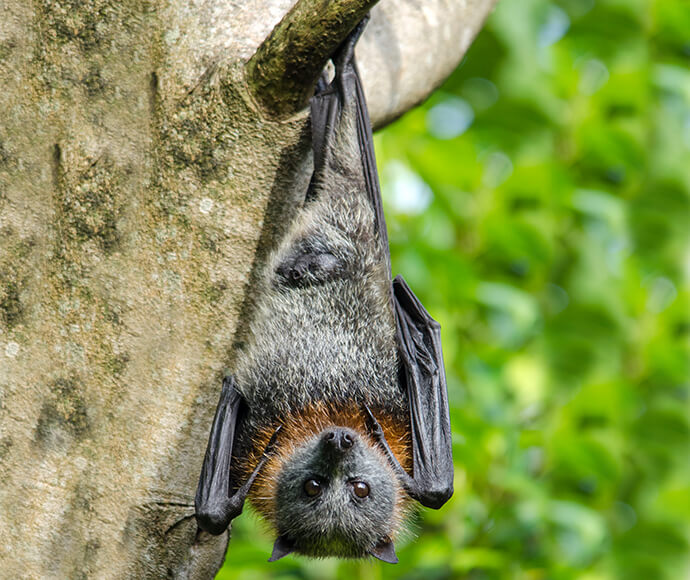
pixel 346 51
pixel 215 505
pixel 337 170
pixel 336 139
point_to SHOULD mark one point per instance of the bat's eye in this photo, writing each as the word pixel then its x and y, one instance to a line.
pixel 312 487
pixel 360 489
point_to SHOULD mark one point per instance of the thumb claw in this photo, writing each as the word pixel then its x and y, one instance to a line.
pixel 372 424
pixel 272 440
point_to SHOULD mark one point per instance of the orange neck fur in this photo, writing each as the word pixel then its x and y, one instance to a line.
pixel 300 427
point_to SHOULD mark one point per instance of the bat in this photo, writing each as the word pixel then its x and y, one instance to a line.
pixel 335 419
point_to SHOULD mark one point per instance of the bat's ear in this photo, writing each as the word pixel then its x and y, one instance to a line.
pixel 385 551
pixel 281 548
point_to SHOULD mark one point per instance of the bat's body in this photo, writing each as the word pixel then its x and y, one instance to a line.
pixel 328 335
pixel 336 415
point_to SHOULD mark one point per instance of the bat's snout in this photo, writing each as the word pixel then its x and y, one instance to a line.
pixel 339 439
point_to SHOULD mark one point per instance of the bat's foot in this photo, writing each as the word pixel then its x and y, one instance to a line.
pixel 346 51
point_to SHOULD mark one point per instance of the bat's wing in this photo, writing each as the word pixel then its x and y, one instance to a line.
pixel 218 499
pixel 419 337
pixel 424 381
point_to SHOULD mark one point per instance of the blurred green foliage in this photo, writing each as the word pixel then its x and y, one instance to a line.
pixel 538 204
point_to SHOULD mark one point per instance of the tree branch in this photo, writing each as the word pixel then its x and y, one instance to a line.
pixel 283 71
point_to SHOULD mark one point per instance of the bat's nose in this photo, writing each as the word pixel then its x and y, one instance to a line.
pixel 339 438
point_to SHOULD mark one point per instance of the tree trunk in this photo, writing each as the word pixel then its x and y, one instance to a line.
pixel 145 171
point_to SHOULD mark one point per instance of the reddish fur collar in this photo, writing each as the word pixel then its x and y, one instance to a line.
pixel 301 426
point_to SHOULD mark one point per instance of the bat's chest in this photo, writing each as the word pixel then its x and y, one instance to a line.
pixel 331 343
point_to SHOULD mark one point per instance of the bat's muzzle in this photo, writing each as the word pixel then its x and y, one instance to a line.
pixel 338 439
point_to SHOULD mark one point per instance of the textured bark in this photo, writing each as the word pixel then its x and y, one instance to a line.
pixel 284 70
pixel 140 188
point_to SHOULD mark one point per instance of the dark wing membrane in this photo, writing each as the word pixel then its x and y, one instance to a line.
pixel 214 505
pixel 425 382
pixel 366 147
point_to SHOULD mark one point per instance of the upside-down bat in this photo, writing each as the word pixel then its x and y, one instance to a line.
pixel 336 415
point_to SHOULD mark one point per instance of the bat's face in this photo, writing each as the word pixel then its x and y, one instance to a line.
pixel 337 496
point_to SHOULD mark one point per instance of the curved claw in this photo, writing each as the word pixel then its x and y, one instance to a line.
pixel 215 517
pixel 346 51
pixel 433 498
pixel 376 432
pixel 373 426
pixel 265 456
pixel 272 441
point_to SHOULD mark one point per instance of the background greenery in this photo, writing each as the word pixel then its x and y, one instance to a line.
pixel 538 205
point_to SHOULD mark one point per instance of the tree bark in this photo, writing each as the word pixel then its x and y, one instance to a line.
pixel 144 175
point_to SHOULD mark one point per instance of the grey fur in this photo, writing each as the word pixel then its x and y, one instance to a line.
pixel 332 329
pixel 329 336
pixel 324 331
pixel 336 522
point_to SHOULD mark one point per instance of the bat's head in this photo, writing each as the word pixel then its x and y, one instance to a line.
pixel 336 495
